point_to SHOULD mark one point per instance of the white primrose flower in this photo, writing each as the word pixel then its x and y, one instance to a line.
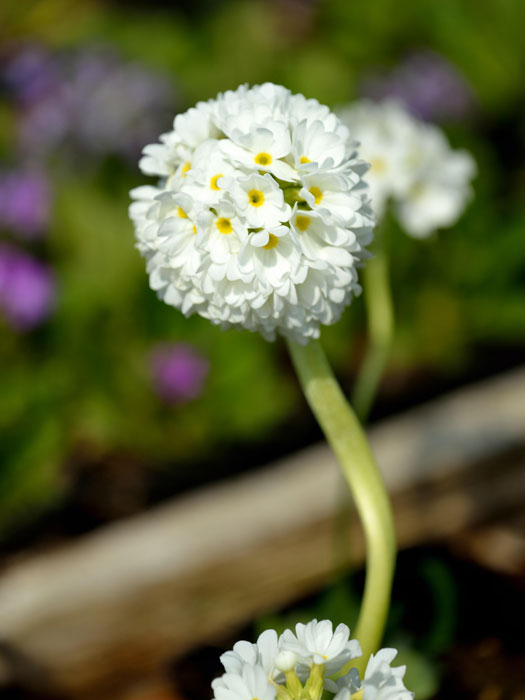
pixel 331 195
pixel 209 170
pixel 297 667
pixel 315 146
pixel 249 683
pixel 380 682
pixel 264 653
pixel 260 217
pixel 260 199
pixel 177 146
pixel 317 643
pixel 138 210
pixel 263 147
pixel 412 164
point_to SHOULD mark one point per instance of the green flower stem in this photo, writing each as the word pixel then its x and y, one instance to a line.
pixel 348 440
pixel 380 313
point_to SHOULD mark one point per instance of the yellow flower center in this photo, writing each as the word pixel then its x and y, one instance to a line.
pixel 181 213
pixel 194 229
pixel 256 198
pixel 213 182
pixel 377 165
pixel 263 159
pixel 224 225
pixel 304 159
pixel 185 168
pixel 272 242
pixel 318 195
pixel 302 222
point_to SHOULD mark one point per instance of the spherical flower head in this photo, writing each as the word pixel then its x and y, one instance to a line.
pixel 260 217
pixel 412 164
pixel 298 667
pixel 179 372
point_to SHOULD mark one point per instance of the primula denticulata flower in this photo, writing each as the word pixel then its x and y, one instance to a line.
pixel 261 216
pixel 412 164
pixel 297 666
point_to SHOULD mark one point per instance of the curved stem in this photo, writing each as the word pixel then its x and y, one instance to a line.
pixel 380 313
pixel 348 440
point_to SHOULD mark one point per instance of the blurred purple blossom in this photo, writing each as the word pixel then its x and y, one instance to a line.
pixel 31 74
pixel 89 99
pixel 428 84
pixel 27 288
pixel 179 372
pixel 25 202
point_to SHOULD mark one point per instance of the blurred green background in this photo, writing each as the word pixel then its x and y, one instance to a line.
pixel 84 85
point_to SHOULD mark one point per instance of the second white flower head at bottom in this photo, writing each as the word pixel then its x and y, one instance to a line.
pixel 298 666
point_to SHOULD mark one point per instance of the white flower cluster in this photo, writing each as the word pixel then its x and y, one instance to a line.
pixel 297 667
pixel 411 163
pixel 260 216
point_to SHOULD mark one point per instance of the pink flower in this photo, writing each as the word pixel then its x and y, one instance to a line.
pixel 27 288
pixel 179 372
pixel 25 202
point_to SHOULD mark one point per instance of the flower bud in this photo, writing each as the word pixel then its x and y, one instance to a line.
pixel 285 661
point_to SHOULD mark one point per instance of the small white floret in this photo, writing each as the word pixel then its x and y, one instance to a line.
pixel 317 643
pixel 285 661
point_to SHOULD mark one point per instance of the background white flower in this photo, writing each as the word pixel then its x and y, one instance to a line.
pixel 260 218
pixel 411 162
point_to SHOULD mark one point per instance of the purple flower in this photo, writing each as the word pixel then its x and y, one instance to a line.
pixel 429 85
pixel 30 74
pixel 179 372
pixel 88 99
pixel 25 202
pixel 27 288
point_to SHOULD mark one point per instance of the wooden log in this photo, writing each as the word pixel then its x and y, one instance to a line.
pixel 120 603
